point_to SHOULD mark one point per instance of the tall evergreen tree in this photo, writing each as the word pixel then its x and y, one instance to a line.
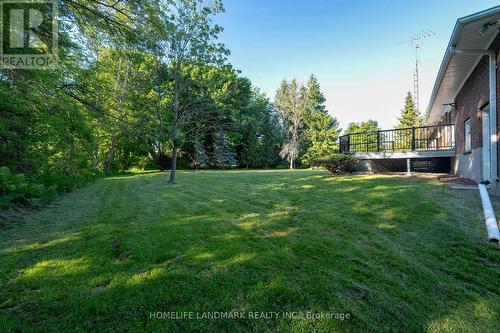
pixel 315 98
pixel 223 156
pixel 323 129
pixel 410 116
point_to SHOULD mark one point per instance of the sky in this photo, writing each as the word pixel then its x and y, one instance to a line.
pixel 353 48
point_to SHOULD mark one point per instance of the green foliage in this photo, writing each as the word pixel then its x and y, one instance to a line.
pixel 410 116
pixel 140 83
pixel 363 127
pixel 310 133
pixel 315 100
pixel 366 138
pixel 260 133
pixel 16 189
pixel 223 156
pixel 338 163
pixel 323 130
pixel 109 106
pixel 291 101
pixel 200 158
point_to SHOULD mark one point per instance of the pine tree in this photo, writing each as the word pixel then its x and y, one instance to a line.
pixel 223 155
pixel 315 98
pixel 410 116
pixel 200 157
pixel 321 129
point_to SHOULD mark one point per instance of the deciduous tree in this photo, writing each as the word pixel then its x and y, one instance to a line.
pixel 291 102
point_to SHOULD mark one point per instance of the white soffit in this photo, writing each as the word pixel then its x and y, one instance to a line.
pixel 456 68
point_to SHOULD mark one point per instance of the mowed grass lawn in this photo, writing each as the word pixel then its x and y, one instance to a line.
pixel 395 253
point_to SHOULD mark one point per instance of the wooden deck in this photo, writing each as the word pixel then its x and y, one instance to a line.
pixel 414 142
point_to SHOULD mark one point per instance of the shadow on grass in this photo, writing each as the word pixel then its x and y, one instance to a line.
pixel 392 252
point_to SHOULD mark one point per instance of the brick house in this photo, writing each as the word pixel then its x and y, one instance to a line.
pixel 467 92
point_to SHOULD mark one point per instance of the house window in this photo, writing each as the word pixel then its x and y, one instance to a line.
pixel 468 135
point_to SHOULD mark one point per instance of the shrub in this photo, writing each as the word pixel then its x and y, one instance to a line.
pixel 16 189
pixel 339 163
pixel 164 162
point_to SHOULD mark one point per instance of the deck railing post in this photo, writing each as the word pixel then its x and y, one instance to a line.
pixel 413 138
pixel 378 140
pixel 348 142
pixel 438 137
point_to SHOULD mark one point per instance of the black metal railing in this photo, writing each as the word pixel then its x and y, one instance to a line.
pixel 422 138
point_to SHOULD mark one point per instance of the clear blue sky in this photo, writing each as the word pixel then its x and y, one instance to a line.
pixel 351 46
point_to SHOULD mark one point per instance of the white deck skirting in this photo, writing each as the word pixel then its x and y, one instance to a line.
pixel 404 154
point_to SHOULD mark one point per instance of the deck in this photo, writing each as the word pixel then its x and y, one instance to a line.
pixel 413 142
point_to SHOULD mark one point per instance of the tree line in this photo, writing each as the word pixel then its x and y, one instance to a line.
pixel 147 84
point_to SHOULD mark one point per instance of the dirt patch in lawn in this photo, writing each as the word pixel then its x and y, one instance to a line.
pixel 450 179
pixel 442 177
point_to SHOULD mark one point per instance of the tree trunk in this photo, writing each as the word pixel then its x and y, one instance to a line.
pixel 95 158
pixel 175 139
pixel 111 154
pixel 173 171
pixel 291 163
pixel 175 125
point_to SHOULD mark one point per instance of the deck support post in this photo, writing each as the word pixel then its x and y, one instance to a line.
pixel 408 167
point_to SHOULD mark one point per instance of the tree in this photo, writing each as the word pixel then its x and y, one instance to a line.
pixel 188 36
pixel 410 116
pixel 363 127
pixel 260 133
pixel 136 83
pixel 366 140
pixel 324 132
pixel 223 156
pixel 315 98
pixel 291 103
pixel 271 137
pixel 200 158
pixel 321 129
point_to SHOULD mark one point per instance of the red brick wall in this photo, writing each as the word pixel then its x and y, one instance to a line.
pixel 472 97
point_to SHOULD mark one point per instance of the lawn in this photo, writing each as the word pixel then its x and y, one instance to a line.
pixel 394 253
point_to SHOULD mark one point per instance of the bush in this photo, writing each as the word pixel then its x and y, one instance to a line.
pixel 164 162
pixel 339 163
pixel 15 189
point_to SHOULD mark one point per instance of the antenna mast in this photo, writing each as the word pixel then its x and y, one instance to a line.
pixel 416 98
pixel 414 40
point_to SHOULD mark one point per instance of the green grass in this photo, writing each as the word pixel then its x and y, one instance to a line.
pixel 395 253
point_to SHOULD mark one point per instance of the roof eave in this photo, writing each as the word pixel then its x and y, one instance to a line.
pixel 459 25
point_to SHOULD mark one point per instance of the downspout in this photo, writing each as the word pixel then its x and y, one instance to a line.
pixel 493 104
pixel 489 214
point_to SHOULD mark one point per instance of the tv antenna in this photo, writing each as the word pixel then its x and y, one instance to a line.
pixel 414 41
